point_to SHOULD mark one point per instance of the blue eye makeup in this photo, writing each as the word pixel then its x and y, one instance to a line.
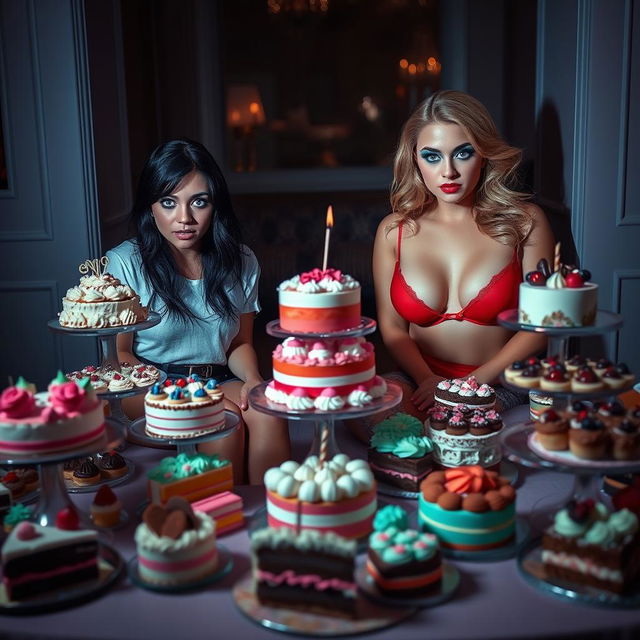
pixel 464 153
pixel 429 156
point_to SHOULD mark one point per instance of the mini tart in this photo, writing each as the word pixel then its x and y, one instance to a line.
pixel 552 431
pixel 626 441
pixel 550 361
pixel 586 381
pixel 589 440
pixel 111 464
pixel 514 370
pixel 624 371
pixel 105 508
pixel 613 379
pixel 600 366
pixel 86 473
pixel 611 413
pixel 574 363
pixel 555 379
pixel 529 378
pixel 69 466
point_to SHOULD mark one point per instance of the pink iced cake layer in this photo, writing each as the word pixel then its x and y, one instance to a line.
pixel 225 508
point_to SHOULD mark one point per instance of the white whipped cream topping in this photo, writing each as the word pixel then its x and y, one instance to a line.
pixel 328 403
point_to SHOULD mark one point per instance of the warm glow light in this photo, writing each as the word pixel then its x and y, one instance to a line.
pixel 235 116
pixel 404 63
pixel 412 69
pixel 431 61
pixel 329 216
pixel 254 108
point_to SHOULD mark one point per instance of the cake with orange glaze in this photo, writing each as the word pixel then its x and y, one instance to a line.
pixel 338 496
pixel 319 301
pixel 324 374
pixel 468 508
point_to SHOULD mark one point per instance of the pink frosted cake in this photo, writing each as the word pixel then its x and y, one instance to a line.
pixel 327 375
pixel 68 416
pixel 466 392
pixel 338 497
pixel 184 409
pixel 319 302
pixel 225 508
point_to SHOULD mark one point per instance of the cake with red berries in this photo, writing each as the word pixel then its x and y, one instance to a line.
pixel 338 496
pixel 468 508
pixel 40 560
pixel 68 416
pixel 324 374
pixel 319 301
pixel 588 545
pixel 100 300
pixel 564 298
pixel 183 409
pixel 106 378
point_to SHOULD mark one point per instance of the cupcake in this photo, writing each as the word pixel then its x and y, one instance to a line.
pixel 86 473
pixel 438 417
pixel 479 425
pixel 611 413
pixel 494 419
pixel 105 508
pixel 111 464
pixel 575 408
pixel 457 425
pixel 552 431
pixel 626 440
pixel 589 439
pixel 586 381
pixel 69 466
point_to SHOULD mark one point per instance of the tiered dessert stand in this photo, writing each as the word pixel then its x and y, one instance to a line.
pixel 522 448
pixel 324 421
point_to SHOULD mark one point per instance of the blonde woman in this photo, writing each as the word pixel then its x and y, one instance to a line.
pixel 454 250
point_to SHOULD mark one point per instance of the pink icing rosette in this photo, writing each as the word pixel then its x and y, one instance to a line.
pixel 317 274
pixel 67 398
pixel 17 403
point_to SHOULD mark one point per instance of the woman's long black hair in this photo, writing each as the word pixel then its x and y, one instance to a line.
pixel 166 167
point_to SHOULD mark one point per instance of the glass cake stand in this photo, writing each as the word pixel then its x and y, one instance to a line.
pixel 183 445
pixel 323 420
pixel 366 326
pixel 53 491
pixel 370 616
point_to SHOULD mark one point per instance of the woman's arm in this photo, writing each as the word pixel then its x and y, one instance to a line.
pixel 124 345
pixel 539 244
pixel 393 328
pixel 242 359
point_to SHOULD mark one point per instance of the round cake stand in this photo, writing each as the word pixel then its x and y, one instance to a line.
pixel 323 421
pixel 366 326
pixel 109 356
pixel 184 445
pixel 605 321
pixel 53 491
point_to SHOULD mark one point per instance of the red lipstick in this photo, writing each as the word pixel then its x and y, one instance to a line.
pixel 450 187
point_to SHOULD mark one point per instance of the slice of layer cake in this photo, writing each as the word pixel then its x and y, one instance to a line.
pixel 311 571
pixel 37 559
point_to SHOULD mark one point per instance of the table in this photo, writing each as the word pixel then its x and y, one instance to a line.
pixel 493 600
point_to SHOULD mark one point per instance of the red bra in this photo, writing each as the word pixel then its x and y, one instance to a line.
pixel 499 294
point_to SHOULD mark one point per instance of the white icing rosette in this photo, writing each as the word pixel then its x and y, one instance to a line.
pixel 320 351
pixel 359 397
pixel 352 347
pixel 275 395
pixel 378 387
pixel 328 400
pixel 293 347
pixel 298 400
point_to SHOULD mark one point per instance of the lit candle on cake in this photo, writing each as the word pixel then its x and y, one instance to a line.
pixel 326 236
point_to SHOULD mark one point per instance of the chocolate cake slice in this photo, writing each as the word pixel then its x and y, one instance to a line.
pixel 311 571
pixel 404 473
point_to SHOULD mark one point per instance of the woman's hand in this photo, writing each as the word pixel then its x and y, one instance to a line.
pixel 244 392
pixel 422 397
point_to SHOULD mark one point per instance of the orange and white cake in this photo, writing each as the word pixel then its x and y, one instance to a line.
pixel 338 496
pixel 100 300
pixel 183 409
pixel 327 374
pixel 68 416
pixel 319 301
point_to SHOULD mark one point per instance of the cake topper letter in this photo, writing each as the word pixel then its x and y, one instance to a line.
pixel 96 266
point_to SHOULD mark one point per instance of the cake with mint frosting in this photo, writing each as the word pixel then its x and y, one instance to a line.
pixel 589 545
pixel 401 561
pixel 192 477
pixel 399 453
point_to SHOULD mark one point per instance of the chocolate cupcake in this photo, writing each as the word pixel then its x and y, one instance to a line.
pixel 479 425
pixel 86 473
pixel 457 425
pixel 69 466
pixel 111 464
pixel 438 417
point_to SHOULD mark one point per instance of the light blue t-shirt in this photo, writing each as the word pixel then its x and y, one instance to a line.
pixel 176 342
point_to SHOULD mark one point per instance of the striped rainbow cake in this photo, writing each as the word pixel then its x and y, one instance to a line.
pixel 338 496
pixel 324 374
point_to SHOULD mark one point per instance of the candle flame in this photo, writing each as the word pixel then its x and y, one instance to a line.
pixel 330 216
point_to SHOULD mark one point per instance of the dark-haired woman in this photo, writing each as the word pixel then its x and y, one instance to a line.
pixel 187 262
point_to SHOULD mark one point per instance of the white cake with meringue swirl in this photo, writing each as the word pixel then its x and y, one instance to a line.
pixel 101 301
pixel 338 496
pixel 327 375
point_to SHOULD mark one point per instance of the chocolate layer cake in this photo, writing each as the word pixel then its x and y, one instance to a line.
pixel 404 473
pixel 310 571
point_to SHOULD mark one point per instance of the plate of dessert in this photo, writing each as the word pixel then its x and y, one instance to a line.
pixel 83 566
pixel 88 473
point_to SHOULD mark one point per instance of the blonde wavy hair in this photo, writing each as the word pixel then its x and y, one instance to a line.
pixel 499 211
